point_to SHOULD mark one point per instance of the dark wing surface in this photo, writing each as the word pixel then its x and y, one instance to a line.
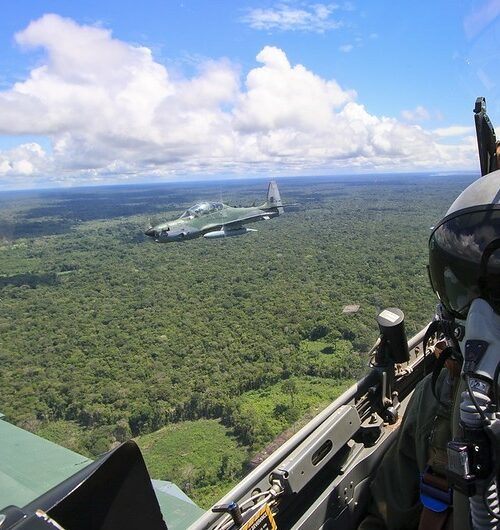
pixel 261 216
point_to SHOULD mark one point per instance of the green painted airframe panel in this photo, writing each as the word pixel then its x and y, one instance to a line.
pixel 178 510
pixel 30 465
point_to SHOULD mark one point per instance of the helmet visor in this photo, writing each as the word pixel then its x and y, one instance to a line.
pixel 455 250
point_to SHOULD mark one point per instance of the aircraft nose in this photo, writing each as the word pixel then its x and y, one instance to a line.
pixel 150 232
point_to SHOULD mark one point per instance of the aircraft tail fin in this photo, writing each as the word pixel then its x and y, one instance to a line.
pixel 274 197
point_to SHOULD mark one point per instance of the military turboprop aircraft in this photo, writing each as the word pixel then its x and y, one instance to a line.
pixel 215 220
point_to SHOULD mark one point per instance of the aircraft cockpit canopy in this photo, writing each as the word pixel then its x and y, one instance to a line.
pixel 202 208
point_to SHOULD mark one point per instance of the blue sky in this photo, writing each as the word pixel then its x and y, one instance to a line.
pixel 122 91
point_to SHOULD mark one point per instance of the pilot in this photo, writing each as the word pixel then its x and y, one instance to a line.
pixel 412 488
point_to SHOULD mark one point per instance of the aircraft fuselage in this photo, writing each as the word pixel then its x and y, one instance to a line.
pixel 186 228
pixel 215 220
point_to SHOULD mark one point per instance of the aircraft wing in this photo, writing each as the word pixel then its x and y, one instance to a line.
pixel 236 223
pixel 36 474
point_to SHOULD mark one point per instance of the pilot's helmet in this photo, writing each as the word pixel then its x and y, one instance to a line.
pixel 464 248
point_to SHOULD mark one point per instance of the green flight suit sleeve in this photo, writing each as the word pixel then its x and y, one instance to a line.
pixel 395 489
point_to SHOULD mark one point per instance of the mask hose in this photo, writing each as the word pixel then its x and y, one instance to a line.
pixel 474 414
pixel 473 458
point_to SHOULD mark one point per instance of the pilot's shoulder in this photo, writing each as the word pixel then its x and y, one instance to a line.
pixel 423 405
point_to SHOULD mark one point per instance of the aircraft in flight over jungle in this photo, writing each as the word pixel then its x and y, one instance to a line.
pixel 215 220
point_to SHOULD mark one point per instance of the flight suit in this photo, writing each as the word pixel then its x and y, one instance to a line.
pixel 423 435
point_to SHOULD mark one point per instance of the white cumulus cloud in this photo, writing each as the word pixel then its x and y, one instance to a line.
pixel 281 96
pixel 22 164
pixel 111 111
pixel 453 130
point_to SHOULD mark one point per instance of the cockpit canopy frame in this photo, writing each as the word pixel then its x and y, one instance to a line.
pixel 202 208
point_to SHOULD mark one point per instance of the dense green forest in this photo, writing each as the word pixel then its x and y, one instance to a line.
pixel 105 335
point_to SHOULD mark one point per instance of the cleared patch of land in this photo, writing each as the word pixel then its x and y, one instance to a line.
pixel 201 457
